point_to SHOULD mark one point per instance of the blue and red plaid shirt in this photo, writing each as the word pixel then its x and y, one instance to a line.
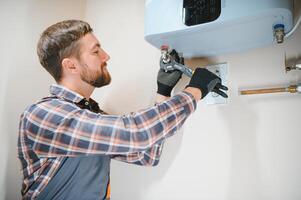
pixel 56 127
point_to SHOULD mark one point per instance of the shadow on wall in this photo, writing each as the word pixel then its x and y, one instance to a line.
pixel 244 175
pixel 241 120
pixel 244 172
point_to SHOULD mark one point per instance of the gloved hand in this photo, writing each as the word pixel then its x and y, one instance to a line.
pixel 167 80
pixel 207 81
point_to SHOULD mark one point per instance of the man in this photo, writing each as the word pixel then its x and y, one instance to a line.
pixel 66 142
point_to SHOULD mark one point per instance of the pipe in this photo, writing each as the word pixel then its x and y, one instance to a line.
pixel 290 89
pixel 287 35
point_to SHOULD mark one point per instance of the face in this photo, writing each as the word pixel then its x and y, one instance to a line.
pixel 93 62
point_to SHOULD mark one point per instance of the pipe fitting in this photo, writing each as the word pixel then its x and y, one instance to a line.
pixel 279 33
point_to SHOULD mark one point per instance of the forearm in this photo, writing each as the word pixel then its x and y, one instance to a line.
pixel 196 93
pixel 160 98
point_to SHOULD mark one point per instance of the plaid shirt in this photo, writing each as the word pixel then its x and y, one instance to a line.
pixel 56 127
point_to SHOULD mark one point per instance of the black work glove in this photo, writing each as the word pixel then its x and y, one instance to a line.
pixel 166 80
pixel 207 82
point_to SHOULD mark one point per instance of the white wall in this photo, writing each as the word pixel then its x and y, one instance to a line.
pixel 22 79
pixel 247 149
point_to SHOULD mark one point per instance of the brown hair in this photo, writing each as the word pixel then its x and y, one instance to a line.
pixel 60 41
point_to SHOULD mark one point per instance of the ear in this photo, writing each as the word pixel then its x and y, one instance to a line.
pixel 69 65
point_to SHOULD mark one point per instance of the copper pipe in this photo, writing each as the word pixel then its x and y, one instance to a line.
pixel 291 89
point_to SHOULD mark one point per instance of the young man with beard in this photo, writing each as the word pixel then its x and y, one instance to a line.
pixel 66 141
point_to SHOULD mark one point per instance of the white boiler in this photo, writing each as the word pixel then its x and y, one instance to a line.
pixel 214 27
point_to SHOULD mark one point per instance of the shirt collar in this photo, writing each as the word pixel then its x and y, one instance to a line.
pixel 69 95
pixel 65 93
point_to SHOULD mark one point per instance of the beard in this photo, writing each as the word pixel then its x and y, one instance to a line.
pixel 96 79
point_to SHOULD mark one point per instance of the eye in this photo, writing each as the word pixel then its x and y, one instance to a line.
pixel 96 52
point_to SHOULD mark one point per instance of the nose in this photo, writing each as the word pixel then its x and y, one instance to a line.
pixel 105 56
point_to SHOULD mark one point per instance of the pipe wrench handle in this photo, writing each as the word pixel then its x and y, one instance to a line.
pixel 186 70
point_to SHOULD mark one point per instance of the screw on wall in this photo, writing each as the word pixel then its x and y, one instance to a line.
pixel 293 64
